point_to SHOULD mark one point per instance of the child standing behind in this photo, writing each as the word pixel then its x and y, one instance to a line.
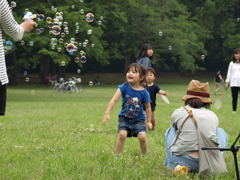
pixel 145 55
pixel 131 116
pixel 153 90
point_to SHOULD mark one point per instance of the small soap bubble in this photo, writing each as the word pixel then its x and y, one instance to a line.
pixel 48 19
pixel 81 11
pixel 99 22
pixel 91 127
pixel 60 40
pixel 203 56
pixel 13 4
pixel 54 41
pixel 8 45
pixel 32 92
pixel 76 59
pixel 31 43
pixel 89 32
pixel 90 83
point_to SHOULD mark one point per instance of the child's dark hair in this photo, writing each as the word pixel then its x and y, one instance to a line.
pixel 140 69
pixel 149 69
pixel 236 51
pixel 143 51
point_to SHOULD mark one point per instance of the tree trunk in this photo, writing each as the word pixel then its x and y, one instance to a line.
pixel 127 62
pixel 44 68
pixel 13 73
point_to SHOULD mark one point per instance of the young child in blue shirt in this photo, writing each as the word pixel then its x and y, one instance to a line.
pixel 153 90
pixel 132 117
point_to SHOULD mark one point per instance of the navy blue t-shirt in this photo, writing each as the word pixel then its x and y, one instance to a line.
pixel 133 102
pixel 153 90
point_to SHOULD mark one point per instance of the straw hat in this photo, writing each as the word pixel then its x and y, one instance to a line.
pixel 198 90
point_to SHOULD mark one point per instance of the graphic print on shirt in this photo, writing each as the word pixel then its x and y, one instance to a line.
pixel 132 107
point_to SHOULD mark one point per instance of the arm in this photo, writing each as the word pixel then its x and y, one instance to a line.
pixel 10 26
pixel 111 104
pixel 148 115
pixel 229 73
pixel 221 78
pixel 163 92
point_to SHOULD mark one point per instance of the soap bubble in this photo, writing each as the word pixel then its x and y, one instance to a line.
pixel 70 47
pixel 56 30
pixel 90 83
pixel 89 32
pixel 89 17
pixel 54 41
pixel 31 43
pixel 8 45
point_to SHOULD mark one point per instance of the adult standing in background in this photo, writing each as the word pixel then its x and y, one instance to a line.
pixel 145 55
pixel 233 77
pixel 9 25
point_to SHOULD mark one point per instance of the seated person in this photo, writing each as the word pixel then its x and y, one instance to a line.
pixel 182 148
pixel 97 81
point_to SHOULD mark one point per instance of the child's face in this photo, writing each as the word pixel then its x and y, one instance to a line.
pixel 149 52
pixel 133 76
pixel 237 56
pixel 150 77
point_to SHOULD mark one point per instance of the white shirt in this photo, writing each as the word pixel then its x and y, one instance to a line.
pixel 233 75
pixel 12 29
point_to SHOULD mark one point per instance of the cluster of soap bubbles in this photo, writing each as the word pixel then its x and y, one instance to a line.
pixel 59 29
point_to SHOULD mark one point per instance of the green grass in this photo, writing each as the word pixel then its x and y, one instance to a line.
pixel 47 135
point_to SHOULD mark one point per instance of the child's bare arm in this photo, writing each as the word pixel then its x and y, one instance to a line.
pixel 163 92
pixel 111 104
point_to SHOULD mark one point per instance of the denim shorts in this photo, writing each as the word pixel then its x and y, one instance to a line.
pixel 133 127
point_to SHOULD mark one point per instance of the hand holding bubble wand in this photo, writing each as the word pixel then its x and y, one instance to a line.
pixel 164 97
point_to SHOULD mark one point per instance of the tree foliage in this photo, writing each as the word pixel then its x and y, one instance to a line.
pixel 190 28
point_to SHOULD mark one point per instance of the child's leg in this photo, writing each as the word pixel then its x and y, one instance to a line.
pixel 122 135
pixel 143 143
pixel 153 120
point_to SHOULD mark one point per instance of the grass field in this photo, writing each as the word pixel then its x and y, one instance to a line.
pixel 48 136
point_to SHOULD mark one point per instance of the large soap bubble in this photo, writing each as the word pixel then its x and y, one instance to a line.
pixel 89 17
pixel 56 30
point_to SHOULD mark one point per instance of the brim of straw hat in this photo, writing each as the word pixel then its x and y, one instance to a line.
pixel 203 99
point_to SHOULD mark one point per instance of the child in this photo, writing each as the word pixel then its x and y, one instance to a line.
pixel 153 90
pixel 217 81
pixel 131 117
pixel 145 55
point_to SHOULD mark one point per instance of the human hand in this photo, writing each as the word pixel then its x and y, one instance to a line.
pixel 149 125
pixel 166 93
pixel 28 25
pixel 106 119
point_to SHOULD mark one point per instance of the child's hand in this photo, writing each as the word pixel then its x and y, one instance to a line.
pixel 149 125
pixel 106 119
pixel 166 93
